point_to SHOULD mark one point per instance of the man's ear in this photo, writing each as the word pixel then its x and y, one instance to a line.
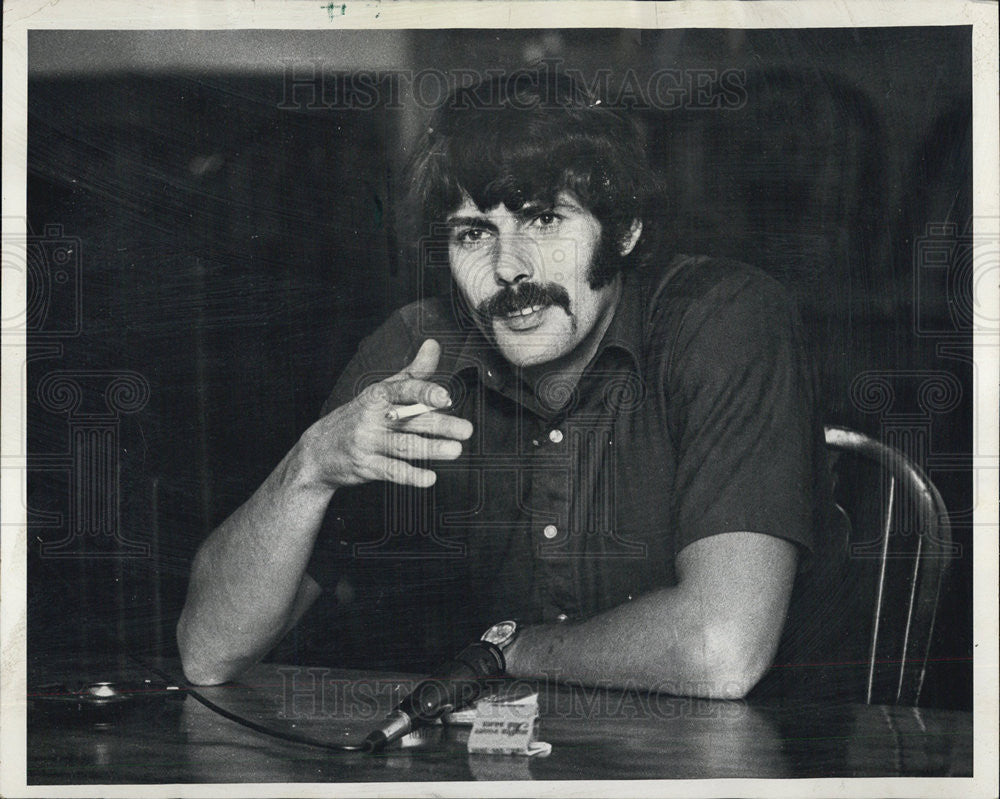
pixel 631 238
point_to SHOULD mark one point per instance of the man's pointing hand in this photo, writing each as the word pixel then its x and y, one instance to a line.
pixel 358 442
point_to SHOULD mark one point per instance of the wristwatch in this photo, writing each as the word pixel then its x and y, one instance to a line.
pixel 501 634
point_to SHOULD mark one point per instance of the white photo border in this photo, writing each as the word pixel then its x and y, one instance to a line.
pixel 24 16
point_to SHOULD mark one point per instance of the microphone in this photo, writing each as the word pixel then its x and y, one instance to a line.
pixel 458 683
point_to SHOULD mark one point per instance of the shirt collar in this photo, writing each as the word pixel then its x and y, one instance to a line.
pixel 625 333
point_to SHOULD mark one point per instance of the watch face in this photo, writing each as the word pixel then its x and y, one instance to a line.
pixel 500 634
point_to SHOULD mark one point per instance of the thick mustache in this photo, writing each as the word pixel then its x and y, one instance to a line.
pixel 526 295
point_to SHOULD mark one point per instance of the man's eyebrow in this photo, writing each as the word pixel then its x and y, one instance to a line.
pixel 470 221
pixel 533 207
pixel 539 206
pixel 567 202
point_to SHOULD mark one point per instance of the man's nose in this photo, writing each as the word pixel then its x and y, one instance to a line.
pixel 513 260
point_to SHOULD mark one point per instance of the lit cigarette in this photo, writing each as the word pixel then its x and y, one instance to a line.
pixel 406 411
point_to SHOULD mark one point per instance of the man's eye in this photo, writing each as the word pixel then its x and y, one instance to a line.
pixel 471 236
pixel 546 219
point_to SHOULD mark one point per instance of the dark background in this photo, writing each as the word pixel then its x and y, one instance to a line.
pixel 221 245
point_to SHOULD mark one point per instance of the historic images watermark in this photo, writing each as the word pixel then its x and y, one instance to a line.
pixel 92 401
pixel 50 262
pixel 317 693
pixel 310 85
pixel 955 272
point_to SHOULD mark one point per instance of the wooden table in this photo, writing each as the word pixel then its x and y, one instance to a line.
pixel 595 734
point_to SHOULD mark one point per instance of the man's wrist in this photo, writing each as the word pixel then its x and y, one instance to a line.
pixel 301 470
pixel 511 652
pixel 537 650
pixel 521 653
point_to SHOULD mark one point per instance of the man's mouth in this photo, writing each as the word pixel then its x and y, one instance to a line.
pixel 525 311
pixel 525 318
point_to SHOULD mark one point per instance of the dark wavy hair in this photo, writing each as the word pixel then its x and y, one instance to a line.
pixel 525 137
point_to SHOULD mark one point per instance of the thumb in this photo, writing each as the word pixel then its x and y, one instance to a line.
pixel 425 362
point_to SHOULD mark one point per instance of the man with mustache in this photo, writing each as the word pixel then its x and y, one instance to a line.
pixel 621 454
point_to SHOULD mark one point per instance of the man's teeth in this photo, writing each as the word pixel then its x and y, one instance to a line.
pixel 525 311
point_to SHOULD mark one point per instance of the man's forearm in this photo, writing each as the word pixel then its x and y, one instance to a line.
pixel 631 646
pixel 712 635
pixel 247 574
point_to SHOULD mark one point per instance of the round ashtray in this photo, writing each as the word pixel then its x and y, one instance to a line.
pixel 102 693
pixel 99 701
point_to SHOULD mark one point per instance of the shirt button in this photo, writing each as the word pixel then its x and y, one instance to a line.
pixel 562 617
pixel 550 531
pixel 555 436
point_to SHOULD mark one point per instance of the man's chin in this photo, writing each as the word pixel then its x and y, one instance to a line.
pixel 526 351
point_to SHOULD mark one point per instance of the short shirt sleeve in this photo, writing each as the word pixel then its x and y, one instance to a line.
pixel 742 402
pixel 382 354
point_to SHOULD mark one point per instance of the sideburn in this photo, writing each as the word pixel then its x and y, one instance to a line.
pixel 607 262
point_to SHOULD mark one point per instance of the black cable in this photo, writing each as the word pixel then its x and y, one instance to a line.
pixel 285 736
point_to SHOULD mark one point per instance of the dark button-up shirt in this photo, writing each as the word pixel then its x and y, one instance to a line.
pixel 694 417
